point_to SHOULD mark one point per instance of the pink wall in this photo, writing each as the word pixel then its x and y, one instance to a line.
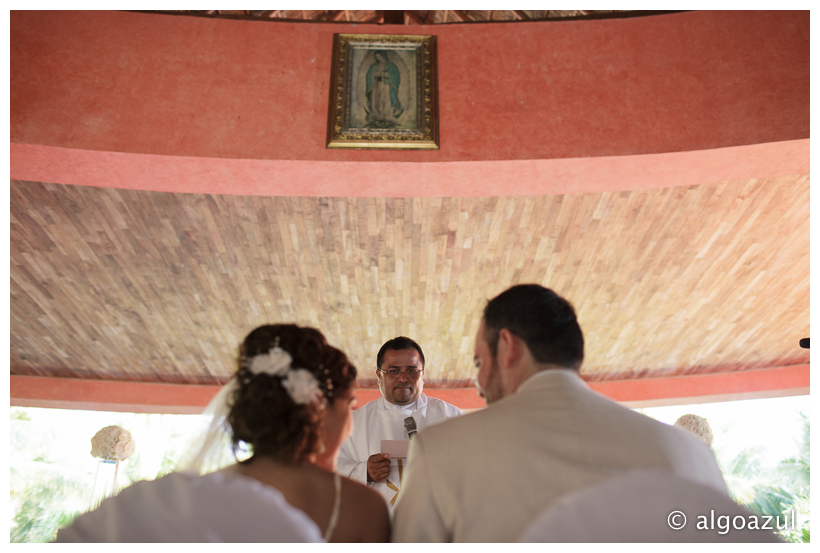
pixel 184 86
pixel 144 397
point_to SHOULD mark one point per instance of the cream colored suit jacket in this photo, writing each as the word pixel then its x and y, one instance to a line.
pixel 484 476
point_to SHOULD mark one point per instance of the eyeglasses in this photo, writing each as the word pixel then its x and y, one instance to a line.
pixel 411 373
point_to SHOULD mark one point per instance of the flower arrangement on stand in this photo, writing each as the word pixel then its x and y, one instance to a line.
pixel 111 445
pixel 698 426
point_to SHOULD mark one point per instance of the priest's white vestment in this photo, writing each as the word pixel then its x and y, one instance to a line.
pixel 381 420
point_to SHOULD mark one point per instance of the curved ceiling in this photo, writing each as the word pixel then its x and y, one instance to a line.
pixel 155 286
pixel 152 268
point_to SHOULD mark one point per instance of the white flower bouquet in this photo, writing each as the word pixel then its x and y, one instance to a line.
pixel 112 443
pixel 698 426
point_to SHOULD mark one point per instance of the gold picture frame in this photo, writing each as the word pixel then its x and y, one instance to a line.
pixel 383 93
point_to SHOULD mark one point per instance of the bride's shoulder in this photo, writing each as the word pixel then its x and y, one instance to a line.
pixel 351 487
pixel 368 507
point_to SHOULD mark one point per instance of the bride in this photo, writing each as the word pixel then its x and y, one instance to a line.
pixel 290 405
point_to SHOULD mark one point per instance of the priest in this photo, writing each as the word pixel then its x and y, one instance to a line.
pixel 400 374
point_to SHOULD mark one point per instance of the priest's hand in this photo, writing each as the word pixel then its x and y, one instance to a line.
pixel 378 467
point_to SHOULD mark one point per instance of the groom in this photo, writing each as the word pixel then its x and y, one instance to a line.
pixel 484 476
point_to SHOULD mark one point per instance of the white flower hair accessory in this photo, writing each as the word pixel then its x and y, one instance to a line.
pixel 277 362
pixel 302 386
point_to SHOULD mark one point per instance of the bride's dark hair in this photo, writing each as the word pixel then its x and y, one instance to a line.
pixel 263 414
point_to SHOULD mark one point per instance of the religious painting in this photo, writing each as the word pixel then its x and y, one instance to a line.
pixel 383 93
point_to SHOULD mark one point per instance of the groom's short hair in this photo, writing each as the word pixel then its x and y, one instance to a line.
pixel 545 321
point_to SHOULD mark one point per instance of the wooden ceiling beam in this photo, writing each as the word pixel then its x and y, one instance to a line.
pixel 521 15
pixel 415 17
pixel 331 15
pixel 393 17
pixel 461 15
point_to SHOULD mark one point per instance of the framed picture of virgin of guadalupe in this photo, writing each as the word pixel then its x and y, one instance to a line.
pixel 383 93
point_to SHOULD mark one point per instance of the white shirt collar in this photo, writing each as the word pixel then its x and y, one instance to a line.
pixel 418 404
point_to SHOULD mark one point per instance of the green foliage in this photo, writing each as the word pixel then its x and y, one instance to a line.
pixel 41 508
pixel 19 415
pixel 45 496
pixel 774 491
pixel 54 479
pixel 169 461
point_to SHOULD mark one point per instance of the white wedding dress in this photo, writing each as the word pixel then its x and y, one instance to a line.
pixel 181 507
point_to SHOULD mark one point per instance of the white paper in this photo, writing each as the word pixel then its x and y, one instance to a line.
pixel 397 449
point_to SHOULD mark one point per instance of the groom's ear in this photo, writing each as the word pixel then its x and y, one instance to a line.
pixel 505 348
pixel 509 349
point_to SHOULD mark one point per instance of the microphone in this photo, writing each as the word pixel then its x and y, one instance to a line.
pixel 410 426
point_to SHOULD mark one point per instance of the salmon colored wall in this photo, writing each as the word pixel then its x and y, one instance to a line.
pixel 251 177
pixel 142 397
pixel 185 86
